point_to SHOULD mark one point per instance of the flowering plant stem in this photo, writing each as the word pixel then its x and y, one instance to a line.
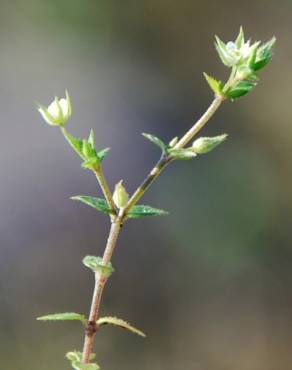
pixel 118 219
pixel 245 60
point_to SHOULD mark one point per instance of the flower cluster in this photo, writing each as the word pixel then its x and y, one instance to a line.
pixel 246 59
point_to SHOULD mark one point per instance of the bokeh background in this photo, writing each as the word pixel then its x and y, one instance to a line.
pixel 211 284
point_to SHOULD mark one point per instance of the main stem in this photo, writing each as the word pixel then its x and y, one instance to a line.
pixel 100 281
pixel 117 222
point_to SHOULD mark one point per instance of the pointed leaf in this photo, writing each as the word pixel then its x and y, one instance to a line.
pixel 102 153
pixel 215 85
pixel 91 138
pixel 74 142
pixel 121 323
pixel 239 89
pixel 144 211
pixel 97 203
pixel 155 140
pixel 97 266
pixel 264 54
pixel 66 316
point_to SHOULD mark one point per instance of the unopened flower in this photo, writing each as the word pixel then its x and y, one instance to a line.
pixel 58 112
pixel 120 195
pixel 206 144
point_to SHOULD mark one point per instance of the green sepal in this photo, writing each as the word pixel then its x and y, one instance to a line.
pixel 264 55
pixel 111 320
pixel 215 85
pixel 65 316
pixel 97 203
pixel 239 89
pixel 144 211
pixel 91 138
pixel 155 140
pixel 97 266
pixel 253 55
pixel 240 38
pixel 182 154
pixel 223 52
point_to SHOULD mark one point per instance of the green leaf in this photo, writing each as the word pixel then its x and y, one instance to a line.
pixel 74 142
pixel 215 85
pixel 77 365
pixel 155 140
pixel 119 322
pixel 66 316
pixel 77 356
pixel 144 211
pixel 240 38
pixel 97 266
pixel 85 149
pixel 206 144
pixel 182 154
pixel 97 203
pixel 102 153
pixel 239 89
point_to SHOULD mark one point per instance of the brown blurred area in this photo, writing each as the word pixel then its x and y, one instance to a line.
pixel 211 283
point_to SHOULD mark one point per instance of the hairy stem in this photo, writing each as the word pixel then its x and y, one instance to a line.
pixel 117 221
pixel 100 282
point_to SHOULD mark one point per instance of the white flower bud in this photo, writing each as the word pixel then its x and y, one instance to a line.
pixel 58 112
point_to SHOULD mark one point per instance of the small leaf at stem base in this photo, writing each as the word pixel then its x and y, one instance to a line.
pixel 96 265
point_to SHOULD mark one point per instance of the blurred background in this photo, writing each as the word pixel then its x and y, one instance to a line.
pixel 211 284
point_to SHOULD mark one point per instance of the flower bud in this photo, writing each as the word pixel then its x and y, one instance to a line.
pixel 206 144
pixel 120 195
pixel 173 142
pixel 58 112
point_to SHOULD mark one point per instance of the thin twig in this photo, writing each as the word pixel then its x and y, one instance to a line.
pixel 164 160
pixel 105 188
